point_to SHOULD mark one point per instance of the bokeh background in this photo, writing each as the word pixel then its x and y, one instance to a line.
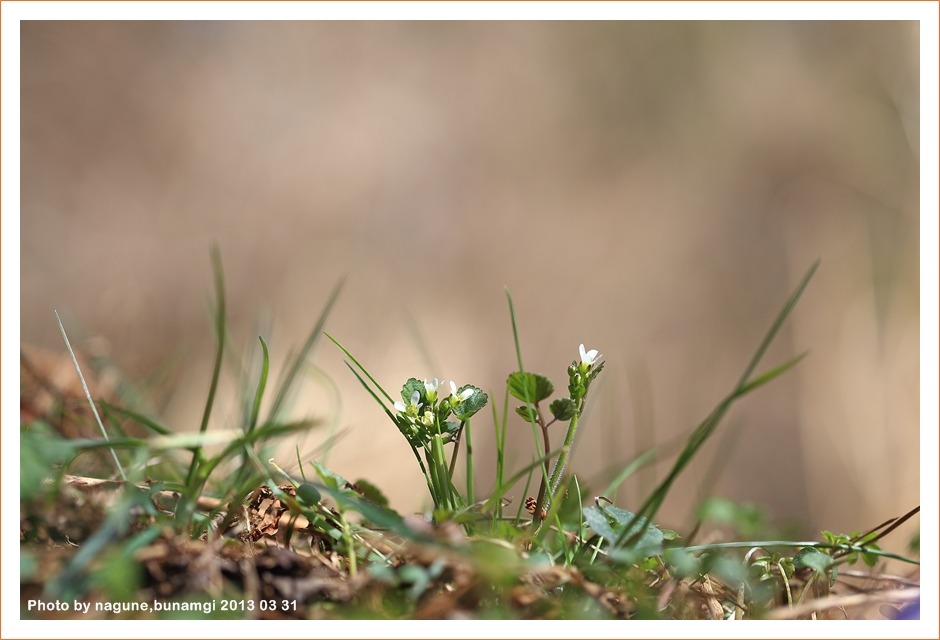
pixel 653 190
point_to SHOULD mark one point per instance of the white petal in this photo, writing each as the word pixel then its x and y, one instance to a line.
pixel 587 357
pixel 466 393
pixel 400 406
pixel 415 396
pixel 453 388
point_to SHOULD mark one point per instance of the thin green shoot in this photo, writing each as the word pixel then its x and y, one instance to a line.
pixel 470 493
pixel 647 457
pixel 786 582
pixel 220 326
pixel 364 371
pixel 287 384
pixel 525 491
pixel 536 518
pixel 500 427
pixel 262 382
pixel 873 534
pixel 702 433
pixel 139 418
pixel 577 489
pixel 500 491
pixel 839 547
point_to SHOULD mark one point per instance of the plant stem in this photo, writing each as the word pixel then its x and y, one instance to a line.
pixel 347 538
pixel 540 500
pixel 470 494
pixel 500 449
pixel 562 462
pixel 453 457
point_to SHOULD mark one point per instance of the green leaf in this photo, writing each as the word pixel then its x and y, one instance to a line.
pixel 472 404
pixel 41 452
pixel 451 429
pixel 563 409
pixel 596 369
pixel 609 522
pixel 812 558
pixel 409 389
pixel 528 413
pixel 371 492
pixel 417 576
pixel 332 480
pixel 682 562
pixel 529 387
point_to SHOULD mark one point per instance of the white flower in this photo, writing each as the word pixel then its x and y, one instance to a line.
pixel 588 358
pixel 431 388
pixel 411 409
pixel 457 398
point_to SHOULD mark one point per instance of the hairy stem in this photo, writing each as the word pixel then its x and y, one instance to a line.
pixel 562 462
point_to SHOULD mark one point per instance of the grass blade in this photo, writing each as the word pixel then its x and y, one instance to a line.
pixel 198 455
pixel 288 382
pixel 529 401
pixel 138 418
pixel 372 393
pixel 778 322
pixel 256 407
pixel 707 427
pixel 767 376
pixel 364 371
pixel 498 492
pixel 847 548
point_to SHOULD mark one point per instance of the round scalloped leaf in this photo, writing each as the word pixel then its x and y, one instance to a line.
pixel 450 430
pixel 471 405
pixel 563 409
pixel 609 522
pixel 410 387
pixel 529 387
pixel 812 558
pixel 528 413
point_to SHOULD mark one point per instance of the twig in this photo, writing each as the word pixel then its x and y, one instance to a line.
pixel 91 402
pixel 853 600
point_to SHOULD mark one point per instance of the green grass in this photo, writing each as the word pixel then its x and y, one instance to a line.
pixel 221 494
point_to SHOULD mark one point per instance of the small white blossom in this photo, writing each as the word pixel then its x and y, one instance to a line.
pixel 588 358
pixel 431 388
pixel 411 409
pixel 457 398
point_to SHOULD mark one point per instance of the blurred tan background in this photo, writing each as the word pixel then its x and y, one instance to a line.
pixel 654 190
